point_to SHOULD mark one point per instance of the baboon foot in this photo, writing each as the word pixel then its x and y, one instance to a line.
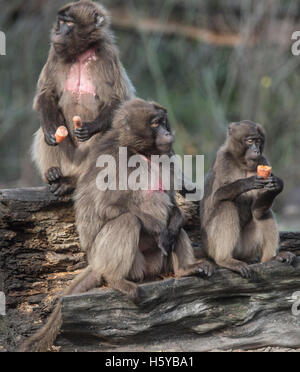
pixel 286 257
pixel 61 188
pixel 202 267
pixel 239 267
pixel 59 185
pixel 128 288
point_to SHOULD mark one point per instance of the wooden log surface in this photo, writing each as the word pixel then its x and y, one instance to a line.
pixel 223 312
pixel 40 254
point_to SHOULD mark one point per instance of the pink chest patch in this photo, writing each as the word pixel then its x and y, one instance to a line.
pixel 79 81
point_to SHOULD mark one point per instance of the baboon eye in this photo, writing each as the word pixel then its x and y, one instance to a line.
pixel 155 124
pixel 70 24
pixel 61 22
pixel 250 141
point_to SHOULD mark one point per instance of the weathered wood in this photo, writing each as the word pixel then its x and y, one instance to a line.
pixel 40 255
pixel 290 241
pixel 39 246
pixel 223 312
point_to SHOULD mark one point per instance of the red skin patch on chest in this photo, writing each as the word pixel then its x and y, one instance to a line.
pixel 79 81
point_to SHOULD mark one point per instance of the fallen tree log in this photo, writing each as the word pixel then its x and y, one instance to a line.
pixel 224 312
pixel 40 254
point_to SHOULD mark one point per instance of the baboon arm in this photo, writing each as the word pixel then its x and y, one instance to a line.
pixel 50 116
pixel 151 224
pixel 46 103
pixel 264 202
pixel 232 190
pixel 101 124
pixel 176 221
pixel 168 238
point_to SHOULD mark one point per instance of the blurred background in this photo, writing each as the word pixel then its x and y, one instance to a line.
pixel 209 62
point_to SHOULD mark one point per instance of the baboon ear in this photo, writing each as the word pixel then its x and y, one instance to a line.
pixel 157 106
pixel 261 131
pixel 230 127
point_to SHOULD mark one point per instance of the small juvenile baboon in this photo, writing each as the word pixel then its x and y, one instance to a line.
pixel 128 234
pixel 238 225
pixel 83 76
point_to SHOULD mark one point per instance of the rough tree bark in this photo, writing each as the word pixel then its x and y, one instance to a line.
pixel 40 254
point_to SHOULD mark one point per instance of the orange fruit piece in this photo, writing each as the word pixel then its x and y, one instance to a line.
pixel 61 134
pixel 264 171
pixel 77 122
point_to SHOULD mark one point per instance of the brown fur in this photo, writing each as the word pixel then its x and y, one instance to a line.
pixel 123 232
pixel 238 225
pixel 57 104
pixel 120 242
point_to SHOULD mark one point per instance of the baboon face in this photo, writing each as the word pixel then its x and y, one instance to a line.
pixel 78 27
pixel 145 127
pixel 247 140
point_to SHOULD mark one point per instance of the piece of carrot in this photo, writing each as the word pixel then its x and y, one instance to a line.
pixel 77 122
pixel 264 171
pixel 61 134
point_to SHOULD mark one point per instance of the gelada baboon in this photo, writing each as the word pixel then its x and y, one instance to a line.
pixel 83 76
pixel 238 225
pixel 128 235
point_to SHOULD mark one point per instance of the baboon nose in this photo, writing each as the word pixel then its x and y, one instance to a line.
pixel 168 138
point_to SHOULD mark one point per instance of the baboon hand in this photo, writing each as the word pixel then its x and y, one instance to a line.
pixel 50 139
pixel 256 183
pixel 274 184
pixel 85 132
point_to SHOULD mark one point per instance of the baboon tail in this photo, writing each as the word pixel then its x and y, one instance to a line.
pixel 44 338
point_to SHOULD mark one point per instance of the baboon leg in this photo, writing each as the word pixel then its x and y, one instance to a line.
pixel 267 231
pixel 183 255
pixel 126 287
pixel 137 272
pixel 249 249
pixel 45 157
pixel 184 262
pixel 92 280
pixel 154 263
pixel 224 237
pixel 114 257
pixel 52 163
